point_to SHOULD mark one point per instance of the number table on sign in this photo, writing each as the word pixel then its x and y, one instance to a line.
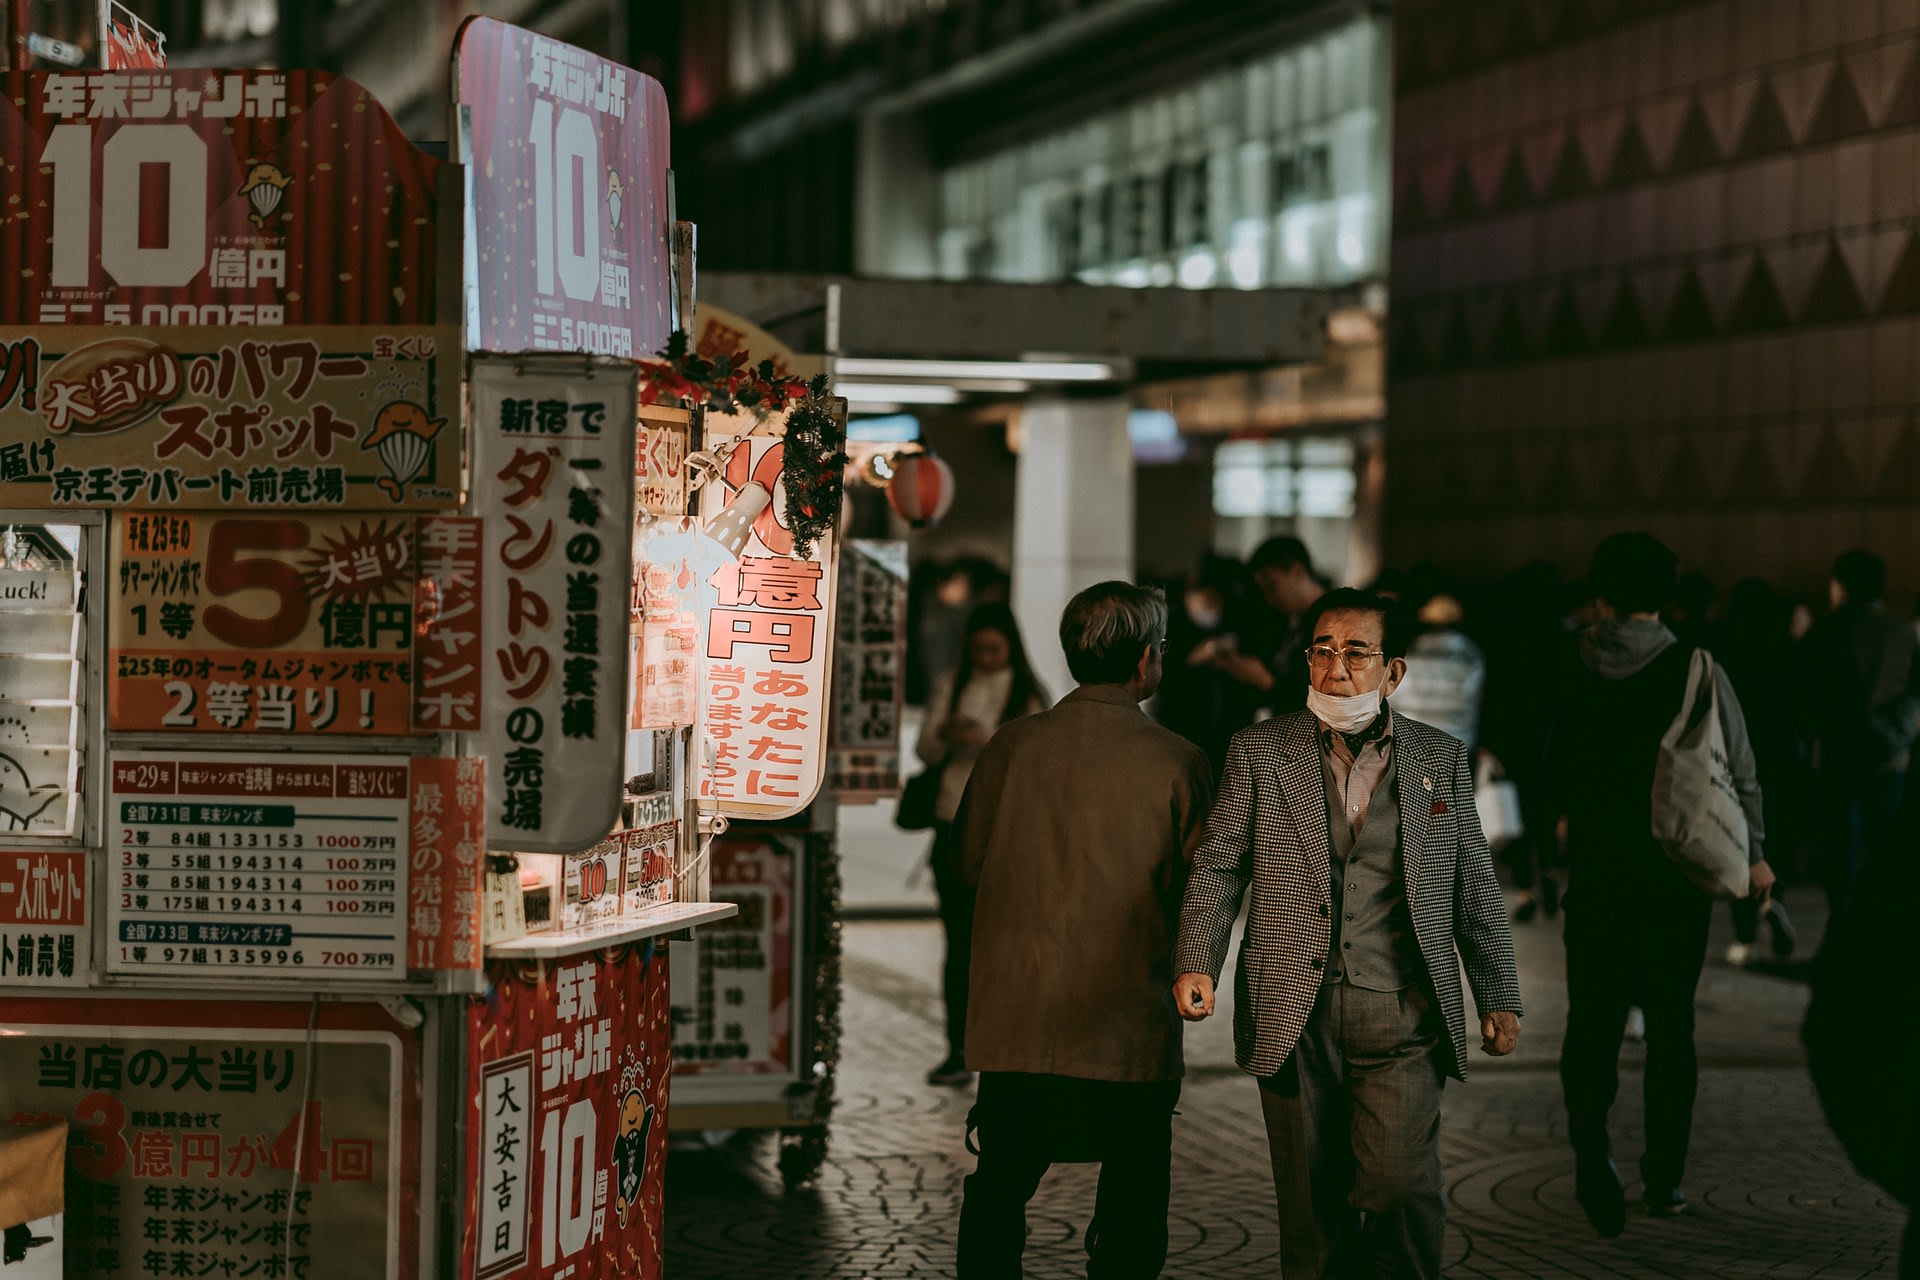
pixel 275 865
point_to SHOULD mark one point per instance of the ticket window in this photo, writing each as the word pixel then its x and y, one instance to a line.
pixel 48 723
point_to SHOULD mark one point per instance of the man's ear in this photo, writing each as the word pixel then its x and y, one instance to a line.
pixel 1396 672
pixel 1140 667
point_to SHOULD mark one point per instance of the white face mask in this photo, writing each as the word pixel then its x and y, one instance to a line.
pixel 1348 715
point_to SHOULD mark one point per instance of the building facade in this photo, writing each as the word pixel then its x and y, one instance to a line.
pixel 1655 266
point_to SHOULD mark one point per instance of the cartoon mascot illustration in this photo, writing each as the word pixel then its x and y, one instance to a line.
pixel 630 1152
pixel 265 188
pixel 402 437
pixel 616 192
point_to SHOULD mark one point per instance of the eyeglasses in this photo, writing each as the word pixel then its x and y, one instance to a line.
pixel 1322 656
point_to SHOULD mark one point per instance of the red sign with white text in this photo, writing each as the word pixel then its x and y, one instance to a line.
pixel 446 818
pixel 566 1126
pixel 189 197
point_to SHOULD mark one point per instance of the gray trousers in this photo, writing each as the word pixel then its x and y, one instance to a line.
pixel 1353 1123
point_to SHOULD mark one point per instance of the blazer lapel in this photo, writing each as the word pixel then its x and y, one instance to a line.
pixel 1306 795
pixel 1417 794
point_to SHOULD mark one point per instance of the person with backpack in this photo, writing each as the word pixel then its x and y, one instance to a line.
pixel 1636 921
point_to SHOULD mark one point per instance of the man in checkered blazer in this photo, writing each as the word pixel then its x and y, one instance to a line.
pixel 1357 831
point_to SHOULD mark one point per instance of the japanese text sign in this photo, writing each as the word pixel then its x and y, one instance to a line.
pixel 447 666
pixel 568 193
pixel 310 419
pixel 190 197
pixel 44 938
pixel 288 624
pixel 566 1120
pixel 446 816
pixel 767 661
pixel 870 687
pixel 660 463
pixel 271 866
pixel 733 984
pixel 553 470
pixel 192 1150
pixel 674 595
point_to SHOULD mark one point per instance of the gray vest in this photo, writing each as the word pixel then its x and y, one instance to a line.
pixel 1373 940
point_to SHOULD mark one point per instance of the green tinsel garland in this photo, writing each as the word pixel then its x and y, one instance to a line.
pixel 813 472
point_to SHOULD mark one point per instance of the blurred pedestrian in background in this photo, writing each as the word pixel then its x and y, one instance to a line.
pixel 993 684
pixel 1636 925
pixel 1198 699
pixel 1862 1048
pixel 1862 716
pixel 1529 649
pixel 1267 664
pixel 1077 831
pixel 1446 672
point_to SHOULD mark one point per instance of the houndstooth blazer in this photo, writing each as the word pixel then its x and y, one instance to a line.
pixel 1269 828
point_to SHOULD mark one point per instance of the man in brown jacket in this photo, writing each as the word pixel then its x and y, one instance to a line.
pixel 1077 829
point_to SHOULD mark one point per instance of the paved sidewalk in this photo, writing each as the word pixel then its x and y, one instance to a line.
pixel 1773 1194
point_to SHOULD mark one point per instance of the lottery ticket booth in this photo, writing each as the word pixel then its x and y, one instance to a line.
pixel 355 750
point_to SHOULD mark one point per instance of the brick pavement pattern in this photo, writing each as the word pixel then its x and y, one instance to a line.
pixel 1773 1194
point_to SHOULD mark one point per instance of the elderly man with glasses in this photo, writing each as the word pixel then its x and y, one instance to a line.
pixel 1357 831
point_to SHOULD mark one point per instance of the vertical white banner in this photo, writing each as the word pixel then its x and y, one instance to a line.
pixel 554 441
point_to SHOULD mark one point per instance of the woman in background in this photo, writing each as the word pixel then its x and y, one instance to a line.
pixel 993 684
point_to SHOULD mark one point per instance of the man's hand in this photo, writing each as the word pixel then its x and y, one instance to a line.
pixel 1193 996
pixel 1762 881
pixel 1499 1032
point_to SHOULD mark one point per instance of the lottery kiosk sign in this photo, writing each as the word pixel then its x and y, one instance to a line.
pixel 283 865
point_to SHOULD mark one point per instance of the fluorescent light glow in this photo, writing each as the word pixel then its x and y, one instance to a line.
pixel 889 429
pixel 1198 269
pixel 898 393
pixel 1030 370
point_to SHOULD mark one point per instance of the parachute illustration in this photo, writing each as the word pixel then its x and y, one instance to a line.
pixel 402 438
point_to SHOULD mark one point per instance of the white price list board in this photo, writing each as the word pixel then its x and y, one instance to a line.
pixel 271 866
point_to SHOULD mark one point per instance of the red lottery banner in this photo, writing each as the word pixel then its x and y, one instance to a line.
pixel 566 1127
pixel 569 191
pixel 447 672
pixel 446 818
pixel 766 666
pixel 192 197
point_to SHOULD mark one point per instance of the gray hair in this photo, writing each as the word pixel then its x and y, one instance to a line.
pixel 1107 627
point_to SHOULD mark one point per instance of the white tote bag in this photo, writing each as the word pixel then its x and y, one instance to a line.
pixel 1498 801
pixel 1697 816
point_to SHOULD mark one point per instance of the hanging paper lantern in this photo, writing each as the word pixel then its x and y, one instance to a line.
pixel 921 489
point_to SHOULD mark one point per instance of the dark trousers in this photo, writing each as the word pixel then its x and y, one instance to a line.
pixel 1647 950
pixel 1026 1123
pixel 1858 809
pixel 956 919
pixel 1353 1125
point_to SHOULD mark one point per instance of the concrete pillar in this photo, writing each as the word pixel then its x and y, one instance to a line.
pixel 1073 516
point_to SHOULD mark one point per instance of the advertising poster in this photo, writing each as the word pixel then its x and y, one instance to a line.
pixel 40 684
pixel 767 661
pixel 192 1154
pixel 733 1008
pixel 870 687
pixel 276 866
pixel 553 468
pixel 261 624
pixel 183 197
pixel 566 1124
pixel 568 195
pixel 675 591
pixel 44 938
pixel 660 470
pixel 213 418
